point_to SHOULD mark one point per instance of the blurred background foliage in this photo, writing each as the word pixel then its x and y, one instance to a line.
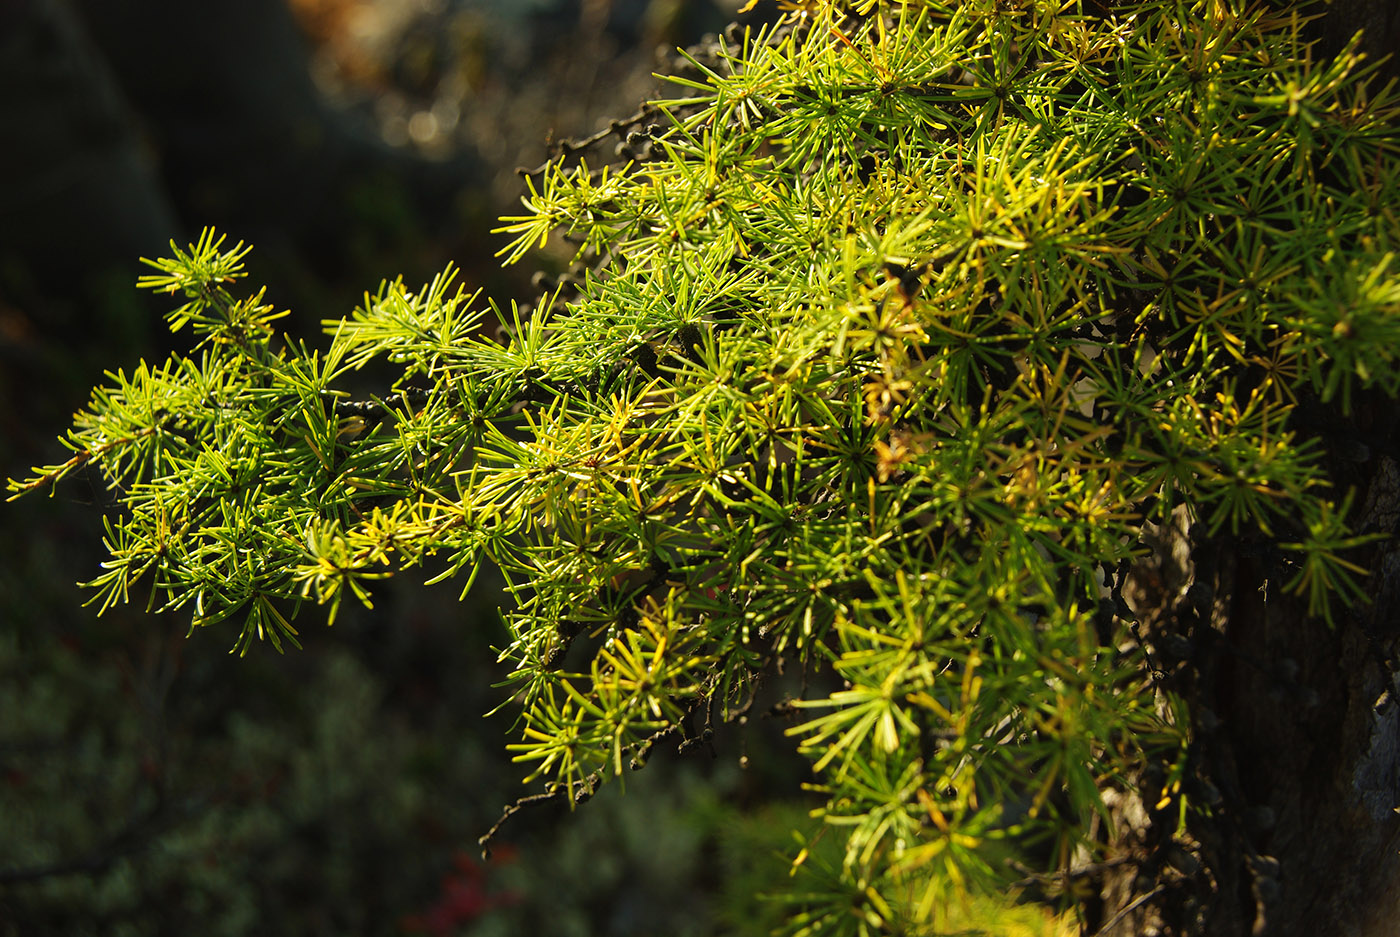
pixel 151 784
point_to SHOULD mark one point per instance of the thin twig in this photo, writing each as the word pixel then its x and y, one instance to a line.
pixel 1137 903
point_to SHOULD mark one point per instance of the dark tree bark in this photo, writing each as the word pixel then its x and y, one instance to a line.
pixel 1296 732
pixel 1378 21
pixel 1296 727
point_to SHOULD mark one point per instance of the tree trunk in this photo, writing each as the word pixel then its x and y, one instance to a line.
pixel 1295 729
pixel 1379 24
pixel 1295 724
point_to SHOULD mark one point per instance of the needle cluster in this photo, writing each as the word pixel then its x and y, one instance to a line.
pixel 904 322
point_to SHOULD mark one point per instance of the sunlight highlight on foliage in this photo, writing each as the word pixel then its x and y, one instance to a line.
pixel 879 364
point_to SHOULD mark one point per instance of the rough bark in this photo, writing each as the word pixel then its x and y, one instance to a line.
pixel 1296 732
pixel 1296 725
pixel 1378 21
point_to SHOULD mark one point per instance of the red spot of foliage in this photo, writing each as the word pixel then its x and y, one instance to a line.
pixel 463 898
